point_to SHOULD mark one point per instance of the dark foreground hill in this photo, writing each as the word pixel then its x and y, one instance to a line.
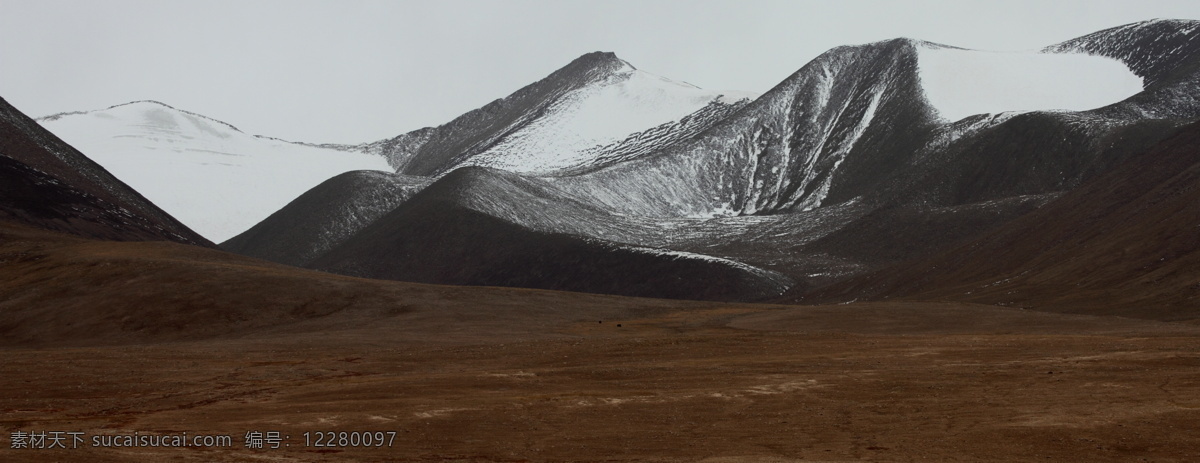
pixel 58 290
pixel 325 216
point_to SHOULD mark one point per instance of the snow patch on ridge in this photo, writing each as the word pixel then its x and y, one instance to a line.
pixel 960 82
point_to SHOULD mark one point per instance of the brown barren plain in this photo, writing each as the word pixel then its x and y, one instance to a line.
pixel 155 338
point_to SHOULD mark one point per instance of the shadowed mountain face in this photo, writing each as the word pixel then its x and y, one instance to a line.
pixel 1126 243
pixel 48 184
pixel 435 238
pixel 847 166
pixel 325 216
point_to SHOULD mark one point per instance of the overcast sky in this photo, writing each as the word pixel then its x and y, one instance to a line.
pixel 352 71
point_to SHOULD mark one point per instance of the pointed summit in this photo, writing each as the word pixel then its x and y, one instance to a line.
pixel 604 61
pixel 563 121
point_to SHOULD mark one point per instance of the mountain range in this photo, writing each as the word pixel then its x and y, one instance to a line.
pixel 605 178
pixel 867 156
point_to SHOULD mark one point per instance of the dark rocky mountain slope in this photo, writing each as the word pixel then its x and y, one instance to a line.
pixel 1126 243
pixel 436 238
pixel 325 216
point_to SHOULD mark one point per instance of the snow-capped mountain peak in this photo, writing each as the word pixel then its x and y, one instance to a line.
pixel 211 176
pixel 625 101
pixel 561 122
pixel 595 63
pixel 144 106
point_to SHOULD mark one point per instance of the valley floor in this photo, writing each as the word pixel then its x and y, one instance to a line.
pixel 862 382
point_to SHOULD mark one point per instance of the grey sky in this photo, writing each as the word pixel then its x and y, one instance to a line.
pixel 354 71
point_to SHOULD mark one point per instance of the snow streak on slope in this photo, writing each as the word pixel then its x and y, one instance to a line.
pixel 211 176
pixel 568 133
pixel 961 83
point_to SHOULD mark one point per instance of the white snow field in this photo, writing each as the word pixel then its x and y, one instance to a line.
pixel 627 101
pixel 960 83
pixel 211 176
